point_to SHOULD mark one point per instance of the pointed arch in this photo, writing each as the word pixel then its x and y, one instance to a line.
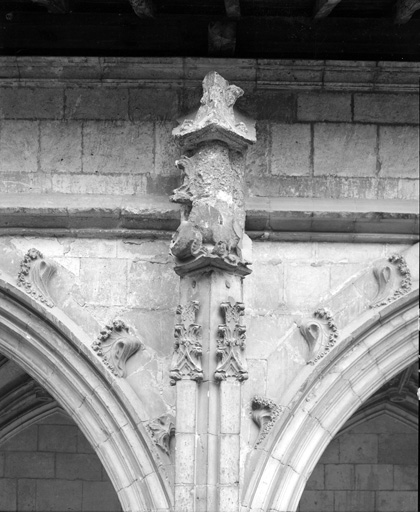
pixel 372 351
pixel 54 351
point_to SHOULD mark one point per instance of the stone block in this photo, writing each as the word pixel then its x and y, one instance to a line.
pixel 345 150
pixel 339 476
pixel 152 285
pixel 258 158
pixel 386 108
pixel 398 449
pixel 305 285
pixel 29 465
pixel 185 496
pixel 96 103
pixel 354 501
pixel 349 252
pixel 92 248
pixel 125 184
pixel 406 478
pixel 229 459
pixel 57 438
pixel 80 466
pixel 24 441
pixel 268 106
pixel 399 151
pixel 1 464
pixel 155 251
pixel 59 495
pixel 408 189
pixel 31 103
pixel 359 448
pixel 185 404
pixel 325 106
pixel 8 501
pixel 316 481
pixel 60 147
pixel 100 496
pixel 317 501
pixel 26 495
pixel 393 501
pixel 228 498
pixel 23 182
pixel 117 147
pixel 230 398
pixel 373 477
pixel 57 418
pixel 148 104
pixel 18 147
pixel 264 288
pixel 166 150
pixel 103 281
pixel 184 457
pixel 291 149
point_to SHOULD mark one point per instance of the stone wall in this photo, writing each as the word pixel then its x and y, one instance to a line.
pixel 49 466
pixel 373 466
pixel 103 137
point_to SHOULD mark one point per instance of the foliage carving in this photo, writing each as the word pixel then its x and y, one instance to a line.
pixel 161 430
pixel 35 275
pixel 264 412
pixel 320 334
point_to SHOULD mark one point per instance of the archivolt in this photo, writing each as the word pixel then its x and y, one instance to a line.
pixel 53 350
pixel 372 351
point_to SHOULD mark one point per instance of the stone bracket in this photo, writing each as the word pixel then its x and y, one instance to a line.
pixel 264 414
pixel 385 275
pixel 161 430
pixel 321 334
pixel 35 275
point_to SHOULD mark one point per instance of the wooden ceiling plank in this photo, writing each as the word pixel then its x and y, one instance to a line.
pixel 143 8
pixel 405 10
pixel 54 6
pixel 233 8
pixel 221 38
pixel 324 7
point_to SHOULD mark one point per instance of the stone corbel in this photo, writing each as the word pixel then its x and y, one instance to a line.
pixel 264 413
pixel 386 275
pixel 186 361
pixel 35 275
pixel 320 334
pixel 161 430
pixel 231 343
pixel 115 346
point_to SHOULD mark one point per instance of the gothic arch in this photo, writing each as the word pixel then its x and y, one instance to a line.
pixel 373 350
pixel 54 351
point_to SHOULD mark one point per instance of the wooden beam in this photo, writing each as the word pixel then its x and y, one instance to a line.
pixel 405 10
pixel 54 6
pixel 222 38
pixel 143 8
pixel 233 8
pixel 324 7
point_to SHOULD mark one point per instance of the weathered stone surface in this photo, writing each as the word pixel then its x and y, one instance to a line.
pixel 78 467
pixel 406 478
pixel 369 477
pixel 61 438
pixel 31 103
pixel 398 449
pixel 362 448
pixel 339 476
pixel 30 465
pixel 150 103
pixel 317 501
pixel 98 184
pixel 95 286
pixel 269 106
pixel 18 147
pixel 60 147
pixel 26 494
pixel 316 481
pixel 389 501
pixel 166 150
pixel 345 150
pixel 1 465
pixel 399 151
pixel 117 147
pixel 348 501
pixel 386 108
pixel 324 107
pixel 8 494
pixel 291 149
pixel 25 441
pixel 96 103
pixel 100 495
pixel 59 495
pixel 305 285
pixel 257 157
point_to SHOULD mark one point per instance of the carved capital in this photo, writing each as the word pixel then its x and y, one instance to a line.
pixel 186 361
pixel 216 118
pixel 264 413
pixel 320 334
pixel 35 275
pixel 231 343
pixel 161 430
pixel 386 276
pixel 115 346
